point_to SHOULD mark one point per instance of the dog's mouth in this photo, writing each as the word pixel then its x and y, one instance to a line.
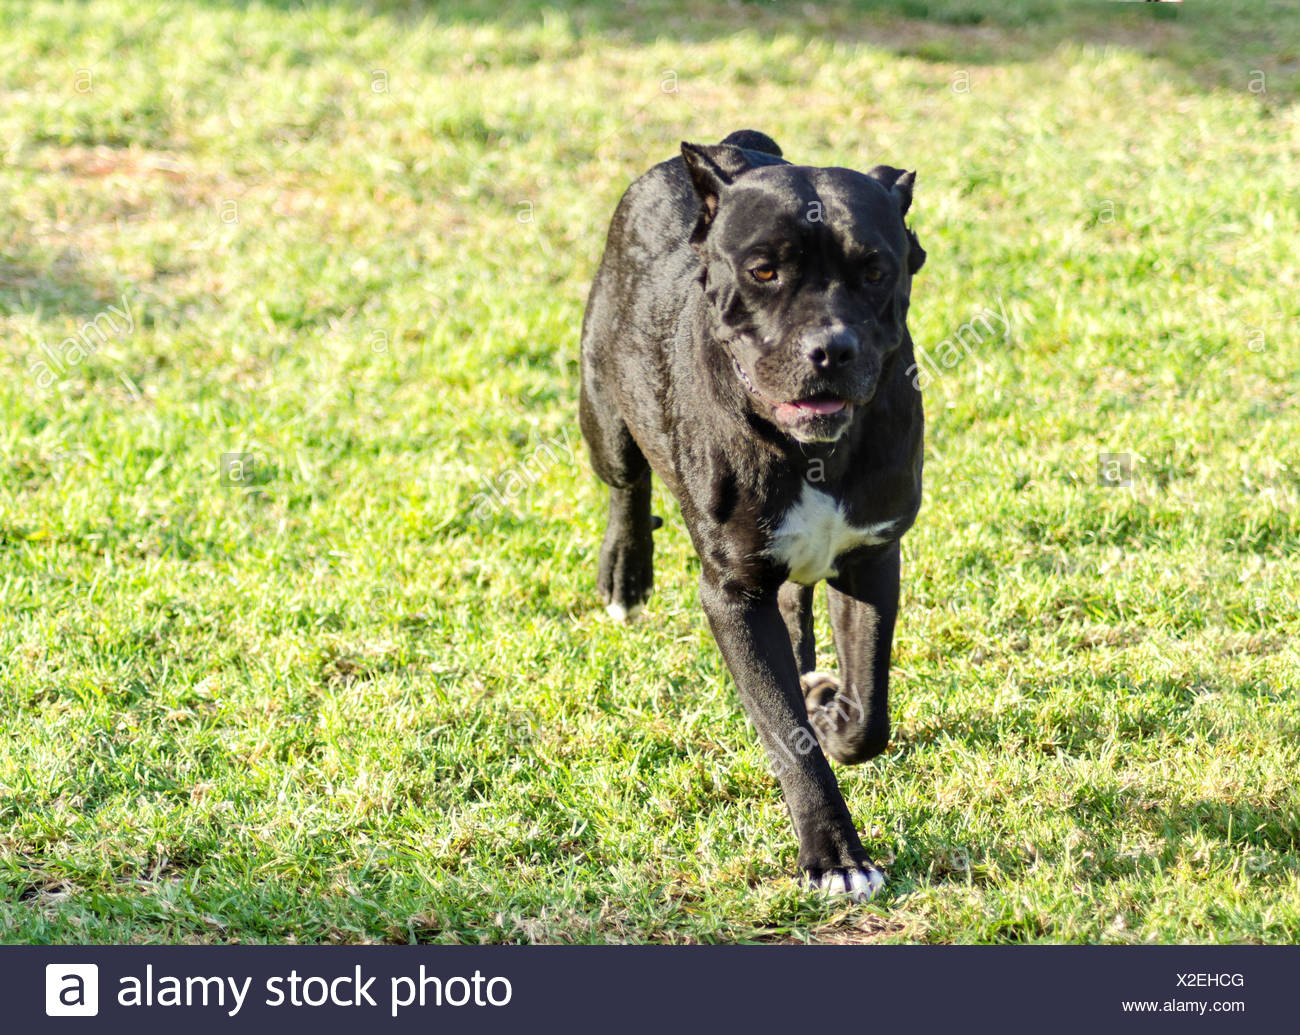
pixel 822 409
pixel 809 409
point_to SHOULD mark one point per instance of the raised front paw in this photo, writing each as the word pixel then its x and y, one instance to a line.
pixel 819 689
pixel 838 715
pixel 821 692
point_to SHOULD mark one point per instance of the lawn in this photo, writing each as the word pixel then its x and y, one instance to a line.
pixel 299 638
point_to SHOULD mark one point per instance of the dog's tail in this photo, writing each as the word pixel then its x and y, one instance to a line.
pixel 753 140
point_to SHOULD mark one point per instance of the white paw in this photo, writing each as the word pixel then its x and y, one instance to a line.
pixel 621 614
pixel 858 883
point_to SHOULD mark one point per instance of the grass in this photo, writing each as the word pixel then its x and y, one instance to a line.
pixel 365 693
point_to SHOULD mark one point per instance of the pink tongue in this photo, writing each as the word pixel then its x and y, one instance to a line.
pixel 808 407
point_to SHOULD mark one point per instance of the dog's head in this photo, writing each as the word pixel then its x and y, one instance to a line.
pixel 807 273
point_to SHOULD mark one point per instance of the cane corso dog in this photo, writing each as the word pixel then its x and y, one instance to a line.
pixel 746 340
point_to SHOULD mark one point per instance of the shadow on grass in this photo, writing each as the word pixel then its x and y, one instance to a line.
pixel 1115 827
pixel 49 284
pixel 1215 44
pixel 1116 833
pixel 1037 724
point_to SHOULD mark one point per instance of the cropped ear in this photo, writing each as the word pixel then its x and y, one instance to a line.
pixel 709 180
pixel 899 183
pixel 902 190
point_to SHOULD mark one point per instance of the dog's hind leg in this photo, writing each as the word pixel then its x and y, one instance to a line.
pixel 796 603
pixel 819 688
pixel 851 714
pixel 625 574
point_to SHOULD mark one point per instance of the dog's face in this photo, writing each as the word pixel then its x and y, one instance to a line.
pixel 807 273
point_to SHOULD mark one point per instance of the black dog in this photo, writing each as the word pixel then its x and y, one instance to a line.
pixel 746 339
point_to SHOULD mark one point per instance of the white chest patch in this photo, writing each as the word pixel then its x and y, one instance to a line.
pixel 814 533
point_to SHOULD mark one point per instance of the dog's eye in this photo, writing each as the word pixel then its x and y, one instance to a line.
pixel 874 275
pixel 763 274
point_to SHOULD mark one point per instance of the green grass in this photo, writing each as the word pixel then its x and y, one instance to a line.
pixel 356 699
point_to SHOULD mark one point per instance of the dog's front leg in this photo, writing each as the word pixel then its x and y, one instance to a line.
pixel 756 645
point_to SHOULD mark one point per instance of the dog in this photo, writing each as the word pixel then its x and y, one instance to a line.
pixel 745 338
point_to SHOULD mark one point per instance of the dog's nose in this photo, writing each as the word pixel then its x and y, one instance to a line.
pixel 832 349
